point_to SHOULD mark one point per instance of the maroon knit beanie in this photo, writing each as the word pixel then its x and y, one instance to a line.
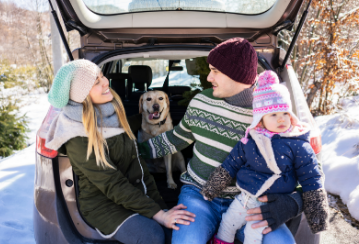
pixel 235 58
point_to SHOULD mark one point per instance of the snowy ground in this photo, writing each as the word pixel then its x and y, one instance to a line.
pixel 17 181
pixel 340 134
pixel 340 153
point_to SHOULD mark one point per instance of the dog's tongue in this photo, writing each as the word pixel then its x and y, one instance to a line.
pixel 155 114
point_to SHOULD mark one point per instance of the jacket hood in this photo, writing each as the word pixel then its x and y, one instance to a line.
pixel 300 131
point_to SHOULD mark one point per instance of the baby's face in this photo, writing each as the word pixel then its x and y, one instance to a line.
pixel 277 122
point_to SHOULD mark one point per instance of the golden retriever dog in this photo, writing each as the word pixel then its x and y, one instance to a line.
pixel 156 119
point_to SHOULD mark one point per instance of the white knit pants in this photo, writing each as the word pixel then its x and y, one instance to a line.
pixel 234 219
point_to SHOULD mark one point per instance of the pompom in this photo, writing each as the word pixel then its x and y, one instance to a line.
pixel 268 77
pixel 244 140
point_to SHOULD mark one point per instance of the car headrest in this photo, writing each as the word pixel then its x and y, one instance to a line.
pixel 140 75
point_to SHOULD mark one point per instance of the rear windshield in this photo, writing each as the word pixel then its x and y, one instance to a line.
pixel 178 75
pixel 228 6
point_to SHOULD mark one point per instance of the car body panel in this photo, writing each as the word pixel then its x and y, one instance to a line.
pixel 46 223
pixel 102 33
pixel 68 190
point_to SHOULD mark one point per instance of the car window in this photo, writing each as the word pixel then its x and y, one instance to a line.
pixel 178 75
pixel 115 67
pixel 228 6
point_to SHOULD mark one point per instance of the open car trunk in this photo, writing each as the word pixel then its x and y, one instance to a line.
pixel 175 24
pixel 114 40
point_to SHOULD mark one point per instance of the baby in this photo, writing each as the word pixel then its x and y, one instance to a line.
pixel 273 157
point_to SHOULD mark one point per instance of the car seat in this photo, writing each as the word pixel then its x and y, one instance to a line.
pixel 118 83
pixel 140 79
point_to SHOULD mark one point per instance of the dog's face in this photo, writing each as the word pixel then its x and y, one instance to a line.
pixel 154 106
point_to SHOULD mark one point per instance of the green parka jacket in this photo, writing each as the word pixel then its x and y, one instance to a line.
pixel 108 197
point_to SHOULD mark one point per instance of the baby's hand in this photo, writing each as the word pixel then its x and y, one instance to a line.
pixel 205 198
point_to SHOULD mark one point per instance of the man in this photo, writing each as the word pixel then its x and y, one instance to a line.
pixel 216 119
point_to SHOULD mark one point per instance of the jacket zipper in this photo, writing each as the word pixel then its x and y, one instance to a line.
pixel 143 183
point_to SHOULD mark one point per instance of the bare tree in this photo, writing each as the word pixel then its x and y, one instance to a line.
pixel 26 37
pixel 325 57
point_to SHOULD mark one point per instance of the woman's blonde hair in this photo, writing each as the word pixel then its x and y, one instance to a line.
pixel 96 141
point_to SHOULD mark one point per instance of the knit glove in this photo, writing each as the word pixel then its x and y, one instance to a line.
pixel 280 208
pixel 316 209
pixel 218 180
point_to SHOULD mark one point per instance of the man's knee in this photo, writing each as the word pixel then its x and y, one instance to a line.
pixel 191 234
pixel 282 235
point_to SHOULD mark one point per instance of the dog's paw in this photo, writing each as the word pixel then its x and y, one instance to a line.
pixel 171 185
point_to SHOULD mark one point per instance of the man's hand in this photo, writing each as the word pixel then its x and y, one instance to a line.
pixel 257 215
pixel 279 209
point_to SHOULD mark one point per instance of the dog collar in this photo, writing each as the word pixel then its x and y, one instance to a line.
pixel 161 122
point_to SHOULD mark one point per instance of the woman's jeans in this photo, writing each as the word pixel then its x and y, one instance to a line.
pixel 208 217
pixel 142 230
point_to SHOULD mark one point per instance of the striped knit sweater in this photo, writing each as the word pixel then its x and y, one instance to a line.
pixel 214 125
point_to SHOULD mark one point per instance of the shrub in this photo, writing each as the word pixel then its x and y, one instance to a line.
pixel 23 76
pixel 13 127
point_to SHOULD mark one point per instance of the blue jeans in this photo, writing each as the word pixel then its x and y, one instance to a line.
pixel 208 217
pixel 142 230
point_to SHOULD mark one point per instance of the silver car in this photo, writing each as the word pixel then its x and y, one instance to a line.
pixel 145 45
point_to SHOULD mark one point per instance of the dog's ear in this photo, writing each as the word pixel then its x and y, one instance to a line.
pixel 167 100
pixel 140 104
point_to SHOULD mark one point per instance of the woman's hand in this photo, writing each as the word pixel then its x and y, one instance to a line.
pixel 175 215
pixel 279 209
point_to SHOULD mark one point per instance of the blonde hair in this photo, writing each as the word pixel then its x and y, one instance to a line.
pixel 96 141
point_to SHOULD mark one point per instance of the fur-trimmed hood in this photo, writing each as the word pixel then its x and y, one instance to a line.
pixel 300 131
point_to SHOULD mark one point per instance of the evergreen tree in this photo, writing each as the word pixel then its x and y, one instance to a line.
pixel 13 128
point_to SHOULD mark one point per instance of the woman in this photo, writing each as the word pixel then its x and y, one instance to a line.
pixel 117 195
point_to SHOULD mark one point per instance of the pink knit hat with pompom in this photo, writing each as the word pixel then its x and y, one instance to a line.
pixel 269 97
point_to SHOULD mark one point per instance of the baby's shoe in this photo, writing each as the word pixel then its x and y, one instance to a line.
pixel 215 240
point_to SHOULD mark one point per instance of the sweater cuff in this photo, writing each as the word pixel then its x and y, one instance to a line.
pixel 144 150
pixel 316 210
pixel 218 180
pixel 297 197
pixel 153 211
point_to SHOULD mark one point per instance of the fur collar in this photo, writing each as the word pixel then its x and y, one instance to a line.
pixel 298 130
pixel 264 145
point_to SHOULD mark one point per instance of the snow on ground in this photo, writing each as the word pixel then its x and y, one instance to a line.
pixel 16 197
pixel 340 133
pixel 35 106
pixel 340 153
pixel 17 180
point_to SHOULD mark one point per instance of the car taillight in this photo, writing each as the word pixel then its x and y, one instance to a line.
pixel 44 151
pixel 41 134
pixel 316 143
pixel 302 111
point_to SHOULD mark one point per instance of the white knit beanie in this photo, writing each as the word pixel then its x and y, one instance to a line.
pixel 74 81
